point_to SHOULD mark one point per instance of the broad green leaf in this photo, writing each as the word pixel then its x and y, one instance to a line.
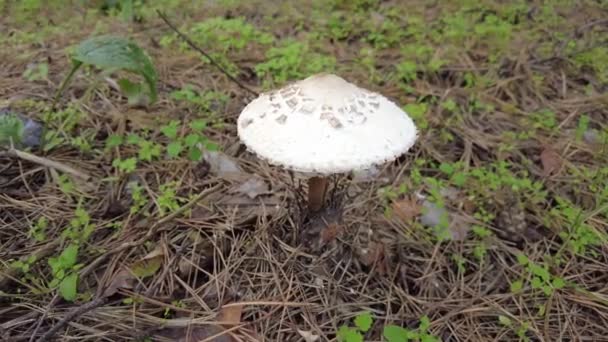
pixel 536 282
pixel 117 53
pixel 394 333
pixel 364 321
pixel 68 287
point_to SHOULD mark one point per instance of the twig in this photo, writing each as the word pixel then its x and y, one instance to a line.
pixel 195 47
pixel 46 162
pixel 71 315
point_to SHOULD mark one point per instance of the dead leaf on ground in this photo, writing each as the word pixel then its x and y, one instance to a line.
pixel 252 187
pixel 406 209
pixel 551 161
pixel 230 314
pixel 222 165
pixel 146 267
pixel 376 253
pixel 308 336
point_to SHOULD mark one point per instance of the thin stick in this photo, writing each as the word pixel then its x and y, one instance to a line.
pixel 71 315
pixel 195 47
pixel 48 163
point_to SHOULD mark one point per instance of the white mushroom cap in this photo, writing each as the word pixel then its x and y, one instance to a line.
pixel 324 125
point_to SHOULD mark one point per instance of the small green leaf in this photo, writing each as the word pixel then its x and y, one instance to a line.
pixel 114 140
pixel 504 320
pixel 364 321
pixel 558 283
pixel 68 287
pixel 195 154
pixel 425 323
pixel 536 282
pixel 174 149
pixel 516 286
pixel 346 334
pixel 69 256
pixel 522 259
pixel 133 139
pixel 192 139
pixel 170 130
pixel 394 333
pixel 198 125
pixel 446 168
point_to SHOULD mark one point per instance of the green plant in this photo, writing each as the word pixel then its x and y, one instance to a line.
pixel 37 231
pixel 64 271
pixel 540 277
pixel 111 54
pixel 520 329
pixel 391 333
pixel 292 60
pixel 11 129
pixel 167 199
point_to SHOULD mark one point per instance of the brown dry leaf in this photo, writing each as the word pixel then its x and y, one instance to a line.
pixel 551 161
pixel 121 280
pixel 231 314
pixel 330 232
pixel 146 267
pixel 376 254
pixel 406 209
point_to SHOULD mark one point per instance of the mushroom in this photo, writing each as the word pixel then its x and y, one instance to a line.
pixel 324 125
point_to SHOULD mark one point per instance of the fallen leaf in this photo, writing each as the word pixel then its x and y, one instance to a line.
pixel 252 187
pixel 230 314
pixel 308 336
pixel 330 232
pixel 124 279
pixel 149 265
pixel 551 161
pixel 222 165
pixel 406 209
pixel 146 267
pixel 376 254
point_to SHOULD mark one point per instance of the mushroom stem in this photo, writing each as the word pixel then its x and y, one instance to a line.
pixel 317 186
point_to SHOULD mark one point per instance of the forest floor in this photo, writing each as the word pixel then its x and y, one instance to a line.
pixel 146 219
